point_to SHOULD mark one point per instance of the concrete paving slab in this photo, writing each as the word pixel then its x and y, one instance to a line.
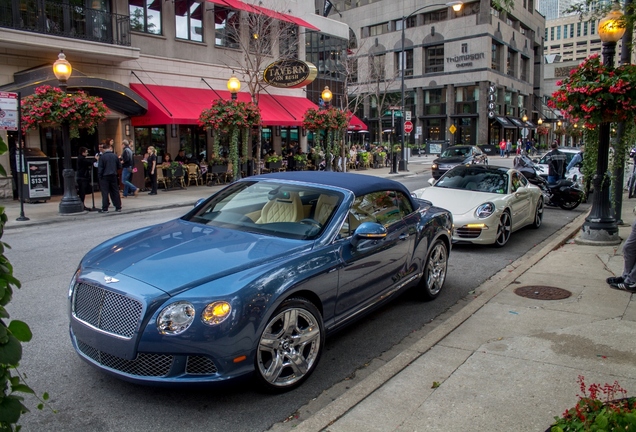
pixel 386 412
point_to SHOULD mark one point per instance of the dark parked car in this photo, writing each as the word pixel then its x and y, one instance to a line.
pixel 457 155
pixel 252 279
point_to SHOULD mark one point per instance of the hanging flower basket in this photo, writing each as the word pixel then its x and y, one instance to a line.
pixel 594 93
pixel 51 107
pixel 225 115
pixel 543 130
pixel 325 119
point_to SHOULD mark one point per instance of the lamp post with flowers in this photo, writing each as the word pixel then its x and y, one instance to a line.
pixel 600 225
pixel 70 202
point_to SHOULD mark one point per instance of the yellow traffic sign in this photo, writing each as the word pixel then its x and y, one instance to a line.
pixel 452 129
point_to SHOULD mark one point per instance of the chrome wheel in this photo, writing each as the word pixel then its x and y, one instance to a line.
pixel 538 214
pixel 503 230
pixel 290 346
pixel 435 270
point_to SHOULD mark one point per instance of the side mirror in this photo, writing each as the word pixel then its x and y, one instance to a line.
pixel 199 201
pixel 368 231
pixel 431 181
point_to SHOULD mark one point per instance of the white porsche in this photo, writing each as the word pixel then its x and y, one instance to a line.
pixel 488 203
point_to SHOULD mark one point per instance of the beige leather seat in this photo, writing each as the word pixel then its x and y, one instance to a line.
pixel 325 207
pixel 282 210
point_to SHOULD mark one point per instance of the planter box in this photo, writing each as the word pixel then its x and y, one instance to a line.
pixel 273 165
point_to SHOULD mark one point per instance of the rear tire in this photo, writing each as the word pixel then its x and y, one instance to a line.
pixel 569 205
pixel 435 271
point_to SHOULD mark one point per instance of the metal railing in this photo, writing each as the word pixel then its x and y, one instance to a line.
pixel 76 22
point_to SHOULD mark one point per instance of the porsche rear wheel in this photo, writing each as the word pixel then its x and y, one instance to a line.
pixel 290 346
pixel 435 271
pixel 538 214
pixel 504 228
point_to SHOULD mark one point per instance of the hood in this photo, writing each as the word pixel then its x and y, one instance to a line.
pixel 456 201
pixel 177 254
pixel 451 160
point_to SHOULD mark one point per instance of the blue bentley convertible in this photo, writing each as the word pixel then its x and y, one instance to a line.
pixel 253 278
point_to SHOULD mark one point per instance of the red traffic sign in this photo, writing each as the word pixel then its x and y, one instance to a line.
pixel 408 126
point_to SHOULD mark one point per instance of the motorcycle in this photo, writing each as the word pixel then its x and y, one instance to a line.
pixel 565 193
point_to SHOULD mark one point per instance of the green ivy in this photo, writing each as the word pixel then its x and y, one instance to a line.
pixel 12 336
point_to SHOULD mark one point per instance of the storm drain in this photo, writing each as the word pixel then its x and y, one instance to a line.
pixel 541 292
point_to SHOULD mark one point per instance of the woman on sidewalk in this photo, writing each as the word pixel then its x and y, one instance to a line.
pixel 152 169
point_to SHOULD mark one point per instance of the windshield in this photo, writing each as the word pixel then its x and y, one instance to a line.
pixel 456 152
pixel 477 179
pixel 267 207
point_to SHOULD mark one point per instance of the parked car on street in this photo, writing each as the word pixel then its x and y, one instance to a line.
pixel 457 155
pixel 488 203
pixel 252 279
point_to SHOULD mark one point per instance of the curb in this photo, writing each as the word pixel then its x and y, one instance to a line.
pixel 486 291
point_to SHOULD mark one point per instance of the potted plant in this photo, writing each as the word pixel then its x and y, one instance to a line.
pixel 598 409
pixel 273 162
pixel 364 160
pixel 300 161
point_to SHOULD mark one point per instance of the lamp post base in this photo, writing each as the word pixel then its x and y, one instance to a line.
pixel 403 165
pixel 70 203
pixel 598 233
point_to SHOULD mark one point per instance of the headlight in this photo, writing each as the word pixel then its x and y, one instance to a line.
pixel 485 210
pixel 434 166
pixel 216 313
pixel 175 318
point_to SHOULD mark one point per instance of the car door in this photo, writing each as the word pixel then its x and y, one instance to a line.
pixel 519 200
pixel 372 267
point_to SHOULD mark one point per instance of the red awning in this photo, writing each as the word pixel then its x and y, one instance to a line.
pixel 239 5
pixel 355 124
pixel 183 105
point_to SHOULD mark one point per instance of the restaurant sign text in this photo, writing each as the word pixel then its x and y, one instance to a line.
pixel 290 73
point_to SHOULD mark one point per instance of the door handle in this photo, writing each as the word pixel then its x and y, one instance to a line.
pixel 404 236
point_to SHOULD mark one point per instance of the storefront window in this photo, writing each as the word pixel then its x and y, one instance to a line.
pixel 150 136
pixel 193 140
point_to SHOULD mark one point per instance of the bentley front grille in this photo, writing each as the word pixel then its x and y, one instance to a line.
pixel 155 365
pixel 108 311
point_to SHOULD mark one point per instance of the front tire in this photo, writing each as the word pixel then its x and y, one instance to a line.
pixel 569 205
pixel 290 346
pixel 504 228
pixel 434 271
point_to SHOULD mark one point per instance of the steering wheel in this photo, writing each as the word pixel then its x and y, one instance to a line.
pixel 313 222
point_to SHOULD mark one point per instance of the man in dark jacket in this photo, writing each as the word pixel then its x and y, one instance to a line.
pixel 556 161
pixel 107 168
pixel 127 162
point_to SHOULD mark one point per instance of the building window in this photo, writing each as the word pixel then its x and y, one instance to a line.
pixel 434 59
pixel 508 102
pixel 408 66
pixel 571 30
pixel 558 33
pixel 188 22
pixel 226 25
pixel 511 62
pixel 494 56
pixel 585 29
pixel 592 27
pixel 376 66
pixel 288 43
pixel 379 29
pixel 578 29
pixel 525 63
pixel 145 16
pixel 436 16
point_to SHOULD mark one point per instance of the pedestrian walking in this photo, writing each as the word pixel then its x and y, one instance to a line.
pixel 84 167
pixel 127 163
pixel 627 281
pixel 519 146
pixel 502 147
pixel 107 168
pixel 508 147
pixel 152 169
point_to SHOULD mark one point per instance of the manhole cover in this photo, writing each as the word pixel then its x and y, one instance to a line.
pixel 541 292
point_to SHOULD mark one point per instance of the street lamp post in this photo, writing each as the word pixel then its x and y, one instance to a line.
pixel 233 85
pixel 326 97
pixel 457 6
pixel 70 202
pixel 600 226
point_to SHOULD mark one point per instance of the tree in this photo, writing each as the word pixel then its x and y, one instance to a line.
pixel 261 39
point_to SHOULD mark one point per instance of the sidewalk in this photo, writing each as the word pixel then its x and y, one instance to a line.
pixel 48 212
pixel 505 362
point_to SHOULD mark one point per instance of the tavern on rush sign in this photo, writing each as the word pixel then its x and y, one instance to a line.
pixel 290 73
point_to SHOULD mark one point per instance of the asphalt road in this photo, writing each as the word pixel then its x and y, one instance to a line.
pixel 88 400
